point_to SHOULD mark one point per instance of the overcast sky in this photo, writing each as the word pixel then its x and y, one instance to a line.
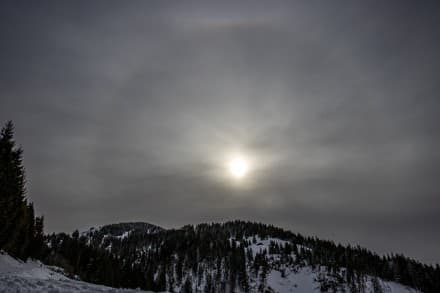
pixel 129 111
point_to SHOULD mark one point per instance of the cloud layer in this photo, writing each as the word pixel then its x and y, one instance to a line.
pixel 126 112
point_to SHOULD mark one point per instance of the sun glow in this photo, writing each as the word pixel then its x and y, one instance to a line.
pixel 238 167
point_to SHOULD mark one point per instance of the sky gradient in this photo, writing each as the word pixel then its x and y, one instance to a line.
pixel 127 112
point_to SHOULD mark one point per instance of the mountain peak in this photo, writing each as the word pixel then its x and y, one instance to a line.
pixel 119 231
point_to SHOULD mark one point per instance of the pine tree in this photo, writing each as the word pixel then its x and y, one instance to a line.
pixel 377 288
pixel 12 190
pixel 28 231
pixel 38 245
pixel 19 234
pixel 209 287
pixel 187 286
pixel 161 284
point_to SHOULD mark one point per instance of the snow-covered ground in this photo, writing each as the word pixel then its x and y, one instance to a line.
pixel 304 281
pixel 263 244
pixel 33 276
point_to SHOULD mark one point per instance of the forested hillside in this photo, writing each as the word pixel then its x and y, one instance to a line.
pixel 226 257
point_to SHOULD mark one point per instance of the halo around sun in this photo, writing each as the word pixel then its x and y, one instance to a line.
pixel 238 167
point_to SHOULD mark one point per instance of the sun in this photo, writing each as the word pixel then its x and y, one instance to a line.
pixel 238 167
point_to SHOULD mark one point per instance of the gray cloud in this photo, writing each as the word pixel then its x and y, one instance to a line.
pixel 126 111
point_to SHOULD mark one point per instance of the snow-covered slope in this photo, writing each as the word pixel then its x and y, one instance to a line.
pixel 33 276
pixel 305 279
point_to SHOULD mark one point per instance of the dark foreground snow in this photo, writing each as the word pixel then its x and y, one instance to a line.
pixel 33 276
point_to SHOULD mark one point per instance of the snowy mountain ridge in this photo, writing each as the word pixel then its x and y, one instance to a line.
pixel 239 257
pixel 119 229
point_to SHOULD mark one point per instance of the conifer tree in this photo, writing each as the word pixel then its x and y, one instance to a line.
pixel 18 226
pixel 187 286
pixel 12 190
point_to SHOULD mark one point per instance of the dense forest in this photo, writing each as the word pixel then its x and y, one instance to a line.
pixel 219 257
pixel 215 257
